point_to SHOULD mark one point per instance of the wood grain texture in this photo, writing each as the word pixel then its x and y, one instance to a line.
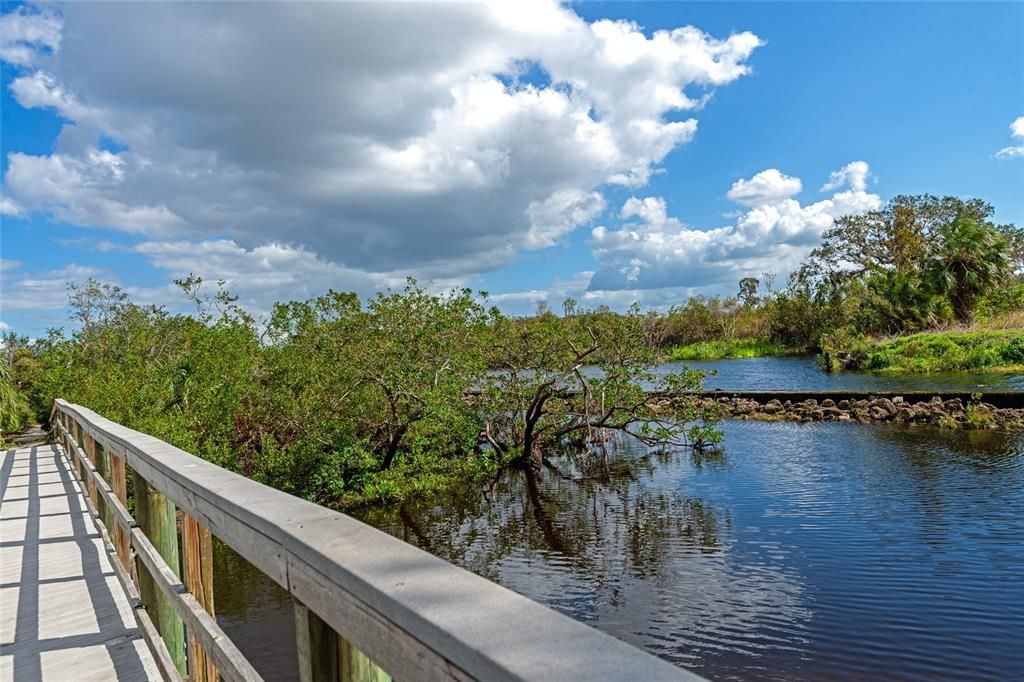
pixel 197 556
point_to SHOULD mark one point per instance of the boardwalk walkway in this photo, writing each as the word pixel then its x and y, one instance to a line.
pixel 63 613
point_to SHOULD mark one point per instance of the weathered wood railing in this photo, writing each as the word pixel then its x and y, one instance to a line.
pixel 367 605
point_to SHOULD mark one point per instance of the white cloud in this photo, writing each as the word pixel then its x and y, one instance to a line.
pixel 775 234
pixel 560 214
pixel 853 175
pixel 88 189
pixel 1017 132
pixel 25 35
pixel 41 291
pixel 488 130
pixel 10 207
pixel 767 187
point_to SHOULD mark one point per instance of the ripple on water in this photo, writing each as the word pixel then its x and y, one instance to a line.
pixel 801 552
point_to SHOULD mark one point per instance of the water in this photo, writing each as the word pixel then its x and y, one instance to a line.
pixel 799 552
pixel 801 374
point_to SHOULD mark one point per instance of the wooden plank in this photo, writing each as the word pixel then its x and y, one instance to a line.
pixel 90 455
pixel 129 593
pixel 230 662
pixel 150 514
pixel 394 649
pixel 163 530
pixel 197 550
pixel 119 486
pixel 162 657
pixel 302 647
pixel 357 666
pixel 106 495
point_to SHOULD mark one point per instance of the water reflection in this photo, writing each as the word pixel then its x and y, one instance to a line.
pixel 800 551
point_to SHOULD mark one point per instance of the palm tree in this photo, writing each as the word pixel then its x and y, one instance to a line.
pixel 970 258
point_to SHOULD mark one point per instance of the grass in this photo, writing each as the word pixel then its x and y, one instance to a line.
pixel 952 351
pixel 722 348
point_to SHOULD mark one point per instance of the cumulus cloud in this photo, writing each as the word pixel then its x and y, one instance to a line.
pixel 1017 132
pixel 487 130
pixel 853 175
pixel 659 251
pixel 560 214
pixel 767 187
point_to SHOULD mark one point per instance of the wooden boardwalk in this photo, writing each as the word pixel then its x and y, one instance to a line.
pixel 63 613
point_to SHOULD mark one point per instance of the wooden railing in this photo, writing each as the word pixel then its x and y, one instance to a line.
pixel 367 605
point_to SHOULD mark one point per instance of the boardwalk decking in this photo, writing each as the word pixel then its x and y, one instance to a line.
pixel 63 613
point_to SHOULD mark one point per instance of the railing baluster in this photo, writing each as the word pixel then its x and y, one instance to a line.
pixel 197 547
pixel 157 518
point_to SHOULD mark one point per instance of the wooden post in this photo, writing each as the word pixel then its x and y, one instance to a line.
pixel 197 546
pixel 157 517
pixel 357 667
pixel 326 656
pixel 90 484
pixel 119 484
pixel 102 458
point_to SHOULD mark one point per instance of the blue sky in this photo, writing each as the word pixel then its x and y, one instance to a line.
pixel 531 153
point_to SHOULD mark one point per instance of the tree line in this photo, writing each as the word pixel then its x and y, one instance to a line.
pixel 343 400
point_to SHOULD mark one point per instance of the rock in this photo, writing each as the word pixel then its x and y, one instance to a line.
pixel 772 407
pixel 828 402
pixel 884 404
pixel 810 403
pixel 904 414
pixel 844 404
pixel 897 400
pixel 844 417
pixel 878 412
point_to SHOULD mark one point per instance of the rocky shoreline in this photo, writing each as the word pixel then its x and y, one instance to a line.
pixel 951 413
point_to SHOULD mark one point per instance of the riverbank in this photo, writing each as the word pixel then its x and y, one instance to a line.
pixel 953 412
pixel 931 352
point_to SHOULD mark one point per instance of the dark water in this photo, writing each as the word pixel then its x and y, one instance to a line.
pixel 801 374
pixel 799 552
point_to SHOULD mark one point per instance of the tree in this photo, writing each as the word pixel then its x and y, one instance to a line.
pixel 95 303
pixel 897 237
pixel 748 291
pixel 561 384
pixel 971 258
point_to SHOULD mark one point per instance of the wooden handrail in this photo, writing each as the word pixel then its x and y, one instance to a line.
pixel 414 615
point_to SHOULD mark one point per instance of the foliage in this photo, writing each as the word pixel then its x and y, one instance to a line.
pixel 970 259
pixel 718 349
pixel 14 409
pixel 345 402
pixel 569 384
pixel 947 352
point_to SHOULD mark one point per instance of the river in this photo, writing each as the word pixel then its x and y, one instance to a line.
pixel 798 552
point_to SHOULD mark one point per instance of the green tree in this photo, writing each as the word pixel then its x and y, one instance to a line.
pixel 748 291
pixel 560 384
pixel 971 258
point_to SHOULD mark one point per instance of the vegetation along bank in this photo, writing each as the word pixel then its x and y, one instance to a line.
pixel 347 401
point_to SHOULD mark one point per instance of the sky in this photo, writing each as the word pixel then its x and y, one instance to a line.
pixel 611 152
